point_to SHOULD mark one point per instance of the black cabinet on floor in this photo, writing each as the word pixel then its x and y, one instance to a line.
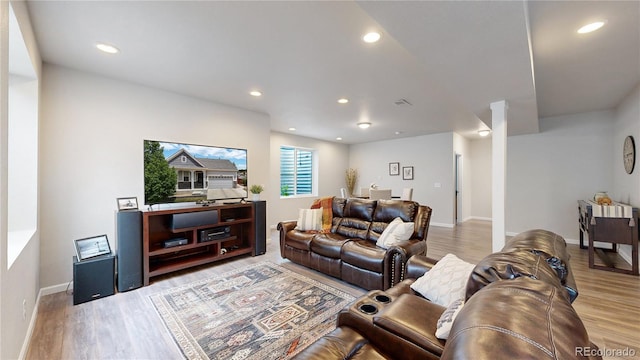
pixel 93 278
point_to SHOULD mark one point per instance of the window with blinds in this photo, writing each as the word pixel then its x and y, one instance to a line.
pixel 296 171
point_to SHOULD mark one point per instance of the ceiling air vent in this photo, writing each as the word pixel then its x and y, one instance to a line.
pixel 402 102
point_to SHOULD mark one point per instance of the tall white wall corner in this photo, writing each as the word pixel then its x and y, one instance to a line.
pixel 498 172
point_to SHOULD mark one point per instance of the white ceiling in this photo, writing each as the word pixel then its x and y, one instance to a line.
pixel 449 59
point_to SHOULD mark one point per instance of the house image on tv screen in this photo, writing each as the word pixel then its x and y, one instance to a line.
pixel 207 178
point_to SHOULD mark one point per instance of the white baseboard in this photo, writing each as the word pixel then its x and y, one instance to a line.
pixel 604 245
pixel 572 241
pixel 597 243
pixel 478 218
pixel 625 253
pixel 32 325
pixel 34 315
pixel 441 225
pixel 56 288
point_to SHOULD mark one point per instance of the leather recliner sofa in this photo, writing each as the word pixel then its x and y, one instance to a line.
pixel 349 251
pixel 518 306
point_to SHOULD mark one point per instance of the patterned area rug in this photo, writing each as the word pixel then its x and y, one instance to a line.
pixel 262 311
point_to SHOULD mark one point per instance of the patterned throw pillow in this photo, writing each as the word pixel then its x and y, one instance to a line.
pixel 397 231
pixel 446 281
pixel 325 204
pixel 309 220
pixel 443 328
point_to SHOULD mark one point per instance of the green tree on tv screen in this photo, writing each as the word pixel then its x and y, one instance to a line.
pixel 159 178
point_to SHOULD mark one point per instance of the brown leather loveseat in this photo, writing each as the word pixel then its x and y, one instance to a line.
pixel 349 250
pixel 517 306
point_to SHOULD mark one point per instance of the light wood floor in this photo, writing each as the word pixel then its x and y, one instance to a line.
pixel 126 326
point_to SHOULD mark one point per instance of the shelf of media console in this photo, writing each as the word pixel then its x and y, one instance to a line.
pixel 221 223
pixel 171 265
pixel 162 250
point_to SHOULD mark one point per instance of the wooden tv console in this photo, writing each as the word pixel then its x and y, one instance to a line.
pixel 161 225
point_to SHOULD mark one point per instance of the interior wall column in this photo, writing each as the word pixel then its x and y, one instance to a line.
pixel 498 173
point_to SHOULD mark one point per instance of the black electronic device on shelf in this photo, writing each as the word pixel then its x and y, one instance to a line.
pixel 217 233
pixel 175 242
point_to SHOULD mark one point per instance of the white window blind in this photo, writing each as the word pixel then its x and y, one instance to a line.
pixel 296 171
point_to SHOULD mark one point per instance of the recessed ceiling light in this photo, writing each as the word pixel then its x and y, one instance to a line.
pixel 591 27
pixel 364 125
pixel 292 129
pixel 371 37
pixel 398 132
pixel 109 49
pixel 484 133
pixel 343 100
pixel 255 93
pixel 339 138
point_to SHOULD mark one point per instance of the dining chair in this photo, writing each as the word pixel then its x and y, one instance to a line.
pixel 407 194
pixel 378 194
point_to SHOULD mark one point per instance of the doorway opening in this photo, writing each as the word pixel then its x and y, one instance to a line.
pixel 457 205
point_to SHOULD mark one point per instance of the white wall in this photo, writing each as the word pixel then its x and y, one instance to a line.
pixel 92 132
pixel 4 162
pixel 19 282
pixel 23 147
pixel 480 159
pixel 432 157
pixel 22 206
pixel 626 187
pixel 333 161
pixel 548 172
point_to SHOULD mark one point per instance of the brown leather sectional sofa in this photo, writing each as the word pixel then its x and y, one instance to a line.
pixel 349 251
pixel 518 306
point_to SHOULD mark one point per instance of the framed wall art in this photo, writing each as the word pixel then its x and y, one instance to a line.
pixel 407 173
pixel 394 168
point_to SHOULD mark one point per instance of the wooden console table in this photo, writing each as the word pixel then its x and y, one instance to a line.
pixel 613 230
pixel 233 228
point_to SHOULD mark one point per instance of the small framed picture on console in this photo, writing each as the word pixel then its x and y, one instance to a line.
pixel 92 247
pixel 127 203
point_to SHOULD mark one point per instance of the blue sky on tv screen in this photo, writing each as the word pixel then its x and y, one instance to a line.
pixel 237 156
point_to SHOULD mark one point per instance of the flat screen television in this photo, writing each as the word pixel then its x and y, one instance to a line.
pixel 178 173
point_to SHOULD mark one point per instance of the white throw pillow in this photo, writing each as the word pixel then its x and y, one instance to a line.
pixel 446 281
pixel 443 328
pixel 396 232
pixel 309 219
